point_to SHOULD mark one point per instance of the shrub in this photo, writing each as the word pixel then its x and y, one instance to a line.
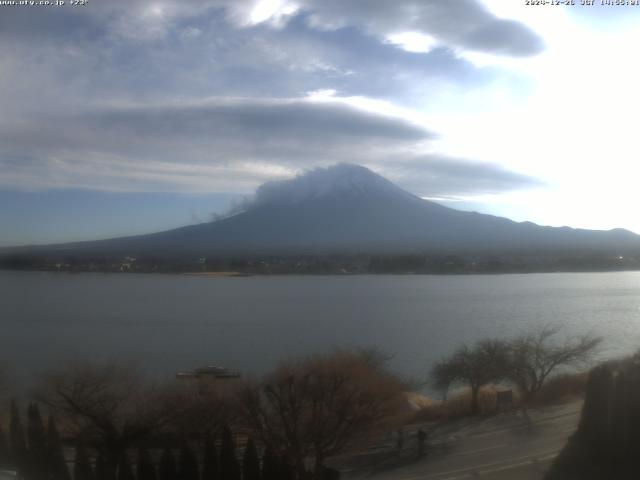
pixel 562 388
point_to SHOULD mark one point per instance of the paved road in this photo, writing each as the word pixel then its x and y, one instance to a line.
pixel 507 446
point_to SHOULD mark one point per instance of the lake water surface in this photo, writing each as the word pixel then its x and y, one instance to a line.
pixel 174 322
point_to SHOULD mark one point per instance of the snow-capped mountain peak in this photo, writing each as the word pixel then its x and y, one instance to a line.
pixel 337 181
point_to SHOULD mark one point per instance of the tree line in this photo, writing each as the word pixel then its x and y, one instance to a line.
pixel 526 362
pixel 37 454
pixel 124 426
pixel 287 424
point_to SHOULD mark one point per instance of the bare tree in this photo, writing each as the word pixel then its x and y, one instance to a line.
pixel 475 366
pixel 533 357
pixel 203 413
pixel 375 357
pixel 112 405
pixel 318 407
pixel 443 374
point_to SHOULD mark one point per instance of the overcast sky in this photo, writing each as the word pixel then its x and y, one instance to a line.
pixel 124 117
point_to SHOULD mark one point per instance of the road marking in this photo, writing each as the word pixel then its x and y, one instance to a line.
pixel 486 468
pixel 533 461
pixel 517 427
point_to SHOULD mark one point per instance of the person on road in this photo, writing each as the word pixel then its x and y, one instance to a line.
pixel 422 440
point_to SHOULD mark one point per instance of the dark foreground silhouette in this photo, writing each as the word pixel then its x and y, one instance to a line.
pixel 607 442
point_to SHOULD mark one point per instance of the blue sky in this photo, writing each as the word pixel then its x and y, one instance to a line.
pixel 61 214
pixel 128 117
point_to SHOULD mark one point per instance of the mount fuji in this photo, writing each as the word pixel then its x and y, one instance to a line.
pixel 347 208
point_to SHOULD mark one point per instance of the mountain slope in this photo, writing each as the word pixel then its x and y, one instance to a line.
pixel 345 209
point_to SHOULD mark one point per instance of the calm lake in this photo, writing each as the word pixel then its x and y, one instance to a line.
pixel 171 322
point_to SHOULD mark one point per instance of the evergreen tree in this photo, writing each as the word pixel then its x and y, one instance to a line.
pixel 229 467
pixel 103 472
pixel 125 472
pixel 331 473
pixel 145 469
pixel 5 456
pixel 210 465
pixel 37 444
pixel 57 465
pixel 285 471
pixel 17 444
pixel 270 467
pixel 188 464
pixel 167 470
pixel 82 465
pixel 250 462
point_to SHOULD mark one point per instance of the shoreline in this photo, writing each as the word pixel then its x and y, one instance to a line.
pixel 318 274
pixel 213 274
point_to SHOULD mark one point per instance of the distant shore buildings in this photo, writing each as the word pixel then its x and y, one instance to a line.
pixel 209 377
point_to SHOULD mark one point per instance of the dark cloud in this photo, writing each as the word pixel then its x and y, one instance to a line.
pixel 251 119
pixel 442 176
pixel 54 24
pixel 459 23
pixel 503 37
pixel 235 144
pixel 111 96
pixel 206 55
pixel 154 50
pixel 168 146
pixel 356 63
pixel 256 123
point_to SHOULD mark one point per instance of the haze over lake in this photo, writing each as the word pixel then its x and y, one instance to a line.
pixel 173 322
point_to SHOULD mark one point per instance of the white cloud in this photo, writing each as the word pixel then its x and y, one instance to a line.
pixel 413 41
pixel 275 12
